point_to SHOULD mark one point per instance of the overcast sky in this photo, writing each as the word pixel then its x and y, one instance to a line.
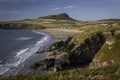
pixel 77 9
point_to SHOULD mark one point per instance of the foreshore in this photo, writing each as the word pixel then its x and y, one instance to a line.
pixel 60 34
pixel 57 34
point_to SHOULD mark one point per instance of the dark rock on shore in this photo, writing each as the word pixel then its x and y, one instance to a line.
pixel 61 45
pixel 65 57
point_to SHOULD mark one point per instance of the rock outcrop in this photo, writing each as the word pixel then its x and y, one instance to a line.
pixel 62 16
pixel 109 53
pixel 62 55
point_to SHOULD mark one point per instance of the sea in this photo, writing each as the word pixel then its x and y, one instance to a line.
pixel 16 46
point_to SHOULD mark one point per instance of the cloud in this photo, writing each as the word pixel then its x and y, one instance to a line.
pixel 66 7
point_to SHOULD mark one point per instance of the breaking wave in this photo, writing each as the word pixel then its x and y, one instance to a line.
pixel 24 54
pixel 24 38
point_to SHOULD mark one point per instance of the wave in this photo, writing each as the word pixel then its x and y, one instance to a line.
pixel 3 69
pixel 38 32
pixel 24 54
pixel 21 52
pixel 23 38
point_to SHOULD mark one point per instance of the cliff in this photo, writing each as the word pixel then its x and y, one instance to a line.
pixel 64 55
pixel 90 52
pixel 109 53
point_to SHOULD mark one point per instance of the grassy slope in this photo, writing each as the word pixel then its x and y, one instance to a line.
pixel 47 23
pixel 91 29
pixel 102 73
pixel 109 53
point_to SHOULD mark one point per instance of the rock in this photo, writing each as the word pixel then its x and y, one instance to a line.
pixel 61 45
pixel 106 63
pixel 65 57
pixel 62 16
pixel 84 54
pixel 47 63
pixel 35 66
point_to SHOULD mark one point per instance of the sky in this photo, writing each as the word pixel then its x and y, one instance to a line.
pixel 78 9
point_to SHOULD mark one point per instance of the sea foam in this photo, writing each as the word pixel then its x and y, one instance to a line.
pixel 24 54
pixel 23 38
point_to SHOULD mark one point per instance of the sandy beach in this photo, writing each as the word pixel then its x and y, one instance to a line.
pixel 60 34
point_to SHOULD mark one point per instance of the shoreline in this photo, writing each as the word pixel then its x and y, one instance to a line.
pixel 57 34
pixel 23 67
pixel 35 57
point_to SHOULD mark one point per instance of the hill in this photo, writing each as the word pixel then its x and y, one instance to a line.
pixel 53 21
pixel 61 16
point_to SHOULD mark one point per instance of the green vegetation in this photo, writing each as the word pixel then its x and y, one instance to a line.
pixel 109 53
pixel 102 73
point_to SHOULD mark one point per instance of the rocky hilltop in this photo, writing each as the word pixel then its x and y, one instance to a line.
pixel 61 16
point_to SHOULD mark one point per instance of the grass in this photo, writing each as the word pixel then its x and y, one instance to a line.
pixel 111 52
pixel 90 30
pixel 103 73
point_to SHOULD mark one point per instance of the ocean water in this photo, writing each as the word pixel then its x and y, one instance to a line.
pixel 16 46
